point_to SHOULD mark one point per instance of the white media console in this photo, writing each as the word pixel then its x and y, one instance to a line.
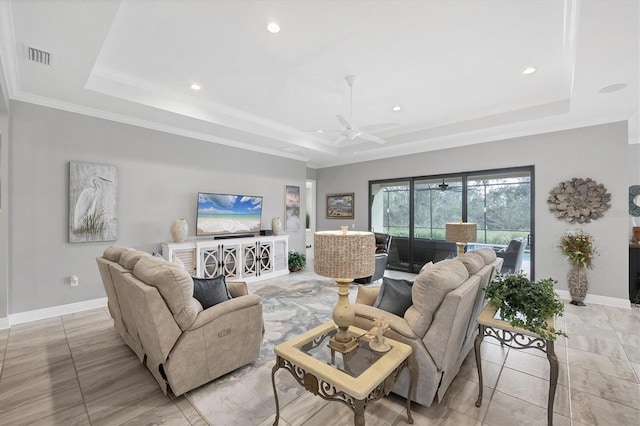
pixel 247 259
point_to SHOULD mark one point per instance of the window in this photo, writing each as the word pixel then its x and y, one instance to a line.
pixel 415 212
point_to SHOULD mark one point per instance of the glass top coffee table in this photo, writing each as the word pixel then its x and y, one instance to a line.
pixel 353 378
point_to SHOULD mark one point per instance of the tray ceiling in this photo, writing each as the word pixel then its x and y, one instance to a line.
pixel 455 68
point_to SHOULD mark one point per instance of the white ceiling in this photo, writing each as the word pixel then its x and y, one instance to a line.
pixel 454 66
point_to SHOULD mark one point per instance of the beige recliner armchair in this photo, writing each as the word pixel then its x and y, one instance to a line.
pixel 152 305
pixel 440 324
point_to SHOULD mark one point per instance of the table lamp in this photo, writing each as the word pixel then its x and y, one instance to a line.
pixel 461 233
pixel 344 256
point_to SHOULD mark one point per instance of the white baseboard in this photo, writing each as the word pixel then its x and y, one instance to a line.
pixel 4 323
pixel 54 311
pixel 598 300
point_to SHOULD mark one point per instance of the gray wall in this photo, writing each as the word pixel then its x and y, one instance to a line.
pixel 598 152
pixel 159 178
pixel 312 174
pixel 4 216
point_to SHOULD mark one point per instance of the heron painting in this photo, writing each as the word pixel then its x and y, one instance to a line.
pixel 93 190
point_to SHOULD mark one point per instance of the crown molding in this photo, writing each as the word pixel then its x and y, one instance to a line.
pixel 106 115
pixel 131 88
pixel 468 138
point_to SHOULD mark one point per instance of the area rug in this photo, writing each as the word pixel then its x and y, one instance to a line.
pixel 245 396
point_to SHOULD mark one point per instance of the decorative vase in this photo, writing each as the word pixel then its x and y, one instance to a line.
pixel 276 226
pixel 578 284
pixel 179 230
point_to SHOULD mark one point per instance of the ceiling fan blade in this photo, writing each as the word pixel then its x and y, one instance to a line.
pixel 372 138
pixel 380 126
pixel 343 121
pixel 340 139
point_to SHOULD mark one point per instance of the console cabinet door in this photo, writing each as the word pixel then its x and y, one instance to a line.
pixel 210 262
pixel 250 262
pixel 265 257
pixel 247 259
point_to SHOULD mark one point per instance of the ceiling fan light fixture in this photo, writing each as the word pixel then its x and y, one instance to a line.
pixel 273 28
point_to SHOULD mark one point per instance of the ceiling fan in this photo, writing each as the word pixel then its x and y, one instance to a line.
pixel 350 132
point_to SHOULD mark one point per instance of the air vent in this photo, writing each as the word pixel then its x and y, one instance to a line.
pixel 39 56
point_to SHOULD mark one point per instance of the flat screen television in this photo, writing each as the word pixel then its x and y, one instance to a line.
pixel 228 214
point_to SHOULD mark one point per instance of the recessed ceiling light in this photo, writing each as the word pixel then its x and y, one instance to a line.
pixel 529 70
pixel 272 27
pixel 396 108
pixel 320 131
pixel 613 88
pixel 195 86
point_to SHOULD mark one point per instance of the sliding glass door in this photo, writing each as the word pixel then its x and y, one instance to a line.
pixel 501 204
pixel 436 202
pixel 390 214
pixel 415 212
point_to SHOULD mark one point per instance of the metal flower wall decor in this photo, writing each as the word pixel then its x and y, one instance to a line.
pixel 579 200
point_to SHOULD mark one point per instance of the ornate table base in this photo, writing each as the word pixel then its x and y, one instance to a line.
pixel 328 391
pixel 517 340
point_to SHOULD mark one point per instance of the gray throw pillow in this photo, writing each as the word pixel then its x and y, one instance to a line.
pixel 394 296
pixel 210 291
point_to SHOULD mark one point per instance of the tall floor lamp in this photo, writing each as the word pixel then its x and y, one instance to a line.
pixel 461 233
pixel 344 256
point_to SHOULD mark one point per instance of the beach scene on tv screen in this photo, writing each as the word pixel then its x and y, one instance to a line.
pixel 228 214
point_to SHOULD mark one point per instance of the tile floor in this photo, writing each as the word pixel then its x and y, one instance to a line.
pixel 75 370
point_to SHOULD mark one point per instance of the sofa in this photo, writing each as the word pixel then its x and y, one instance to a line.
pixel 439 324
pixel 425 250
pixel 183 345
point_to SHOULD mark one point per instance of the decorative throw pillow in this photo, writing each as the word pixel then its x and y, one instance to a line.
pixel 394 296
pixel 210 291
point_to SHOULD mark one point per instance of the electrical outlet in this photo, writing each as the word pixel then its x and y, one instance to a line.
pixel 73 281
pixel 353 226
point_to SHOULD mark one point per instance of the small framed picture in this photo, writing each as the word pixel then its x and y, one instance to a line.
pixel 340 206
pixel 292 208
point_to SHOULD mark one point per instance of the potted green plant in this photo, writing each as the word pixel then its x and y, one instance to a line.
pixel 297 261
pixel 526 304
pixel 579 248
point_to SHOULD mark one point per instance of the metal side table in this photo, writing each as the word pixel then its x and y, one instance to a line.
pixel 516 338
